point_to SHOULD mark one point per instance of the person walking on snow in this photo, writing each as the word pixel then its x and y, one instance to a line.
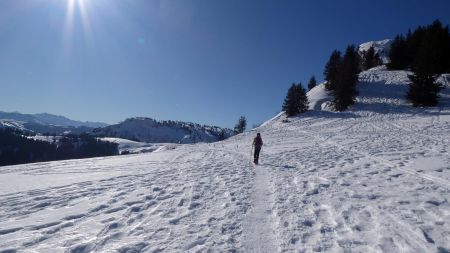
pixel 257 143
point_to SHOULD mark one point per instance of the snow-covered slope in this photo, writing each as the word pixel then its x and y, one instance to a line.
pixel 4 123
pixel 134 147
pixel 381 47
pixel 379 90
pixel 375 178
pixel 153 131
pixel 328 182
pixel 317 96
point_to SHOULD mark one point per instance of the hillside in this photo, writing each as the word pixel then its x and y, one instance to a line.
pixel 154 131
pixel 372 179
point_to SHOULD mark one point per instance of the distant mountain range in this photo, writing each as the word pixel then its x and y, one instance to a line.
pixel 46 123
pixel 138 129
pixel 165 131
pixel 48 119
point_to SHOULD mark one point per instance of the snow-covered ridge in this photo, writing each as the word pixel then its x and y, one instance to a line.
pixel 381 47
pixel 48 119
pixel 5 123
pixel 163 131
pixel 45 123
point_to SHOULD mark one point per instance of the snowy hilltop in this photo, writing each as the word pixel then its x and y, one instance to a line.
pixel 164 131
pixel 381 48
pixel 374 178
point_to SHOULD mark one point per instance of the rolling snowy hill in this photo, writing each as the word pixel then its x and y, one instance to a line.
pixel 154 131
pixel 375 178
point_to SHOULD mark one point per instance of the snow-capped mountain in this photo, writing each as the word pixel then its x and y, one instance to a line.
pixel 381 47
pixel 45 123
pixel 48 119
pixel 154 131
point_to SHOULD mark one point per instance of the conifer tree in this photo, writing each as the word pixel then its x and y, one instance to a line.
pixel 423 89
pixel 370 59
pixel 241 125
pixel 303 98
pixel 296 100
pixel 312 83
pixel 398 55
pixel 345 90
pixel 331 70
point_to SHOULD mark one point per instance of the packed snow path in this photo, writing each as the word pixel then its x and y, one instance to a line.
pixel 259 225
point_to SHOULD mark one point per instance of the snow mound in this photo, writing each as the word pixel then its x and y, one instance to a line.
pixel 317 96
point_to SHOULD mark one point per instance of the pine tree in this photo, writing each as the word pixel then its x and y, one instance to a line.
pixel 241 125
pixel 296 100
pixel 370 59
pixel 331 70
pixel 303 105
pixel 222 135
pixel 436 42
pixel 398 55
pixel 345 90
pixel 312 83
pixel 289 105
pixel 423 89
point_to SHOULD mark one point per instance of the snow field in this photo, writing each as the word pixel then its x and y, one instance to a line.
pixel 176 201
pixel 375 178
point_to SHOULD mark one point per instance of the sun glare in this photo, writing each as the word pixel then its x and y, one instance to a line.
pixel 73 6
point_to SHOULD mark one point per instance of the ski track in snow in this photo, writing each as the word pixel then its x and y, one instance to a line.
pixel 372 179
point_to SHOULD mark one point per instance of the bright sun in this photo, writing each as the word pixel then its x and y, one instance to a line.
pixel 79 6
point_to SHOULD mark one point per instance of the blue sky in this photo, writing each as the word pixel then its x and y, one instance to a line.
pixel 204 61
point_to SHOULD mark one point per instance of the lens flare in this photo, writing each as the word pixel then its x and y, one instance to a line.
pixel 73 8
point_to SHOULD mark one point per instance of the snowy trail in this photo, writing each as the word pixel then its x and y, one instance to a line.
pixel 259 225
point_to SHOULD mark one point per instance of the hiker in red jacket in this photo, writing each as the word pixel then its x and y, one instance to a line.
pixel 257 142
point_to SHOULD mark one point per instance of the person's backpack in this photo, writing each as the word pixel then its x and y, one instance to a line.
pixel 258 142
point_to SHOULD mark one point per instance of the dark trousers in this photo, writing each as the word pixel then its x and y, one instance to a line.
pixel 256 154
